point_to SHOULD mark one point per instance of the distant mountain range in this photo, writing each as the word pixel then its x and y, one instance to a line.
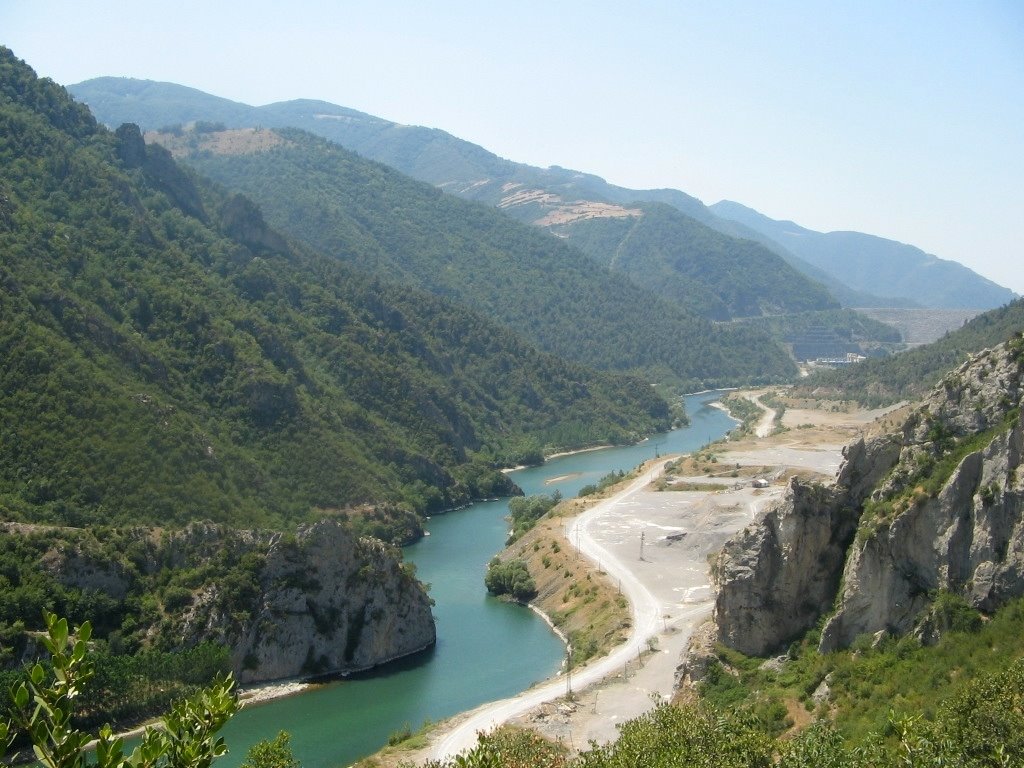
pixel 603 219
pixel 399 229
pixel 693 264
pixel 884 267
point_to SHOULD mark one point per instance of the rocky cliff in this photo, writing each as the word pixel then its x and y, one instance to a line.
pixel 777 576
pixel 936 506
pixel 326 602
pixel 321 600
pixel 949 515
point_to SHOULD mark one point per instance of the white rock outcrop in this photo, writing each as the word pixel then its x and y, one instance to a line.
pixel 899 524
pixel 328 603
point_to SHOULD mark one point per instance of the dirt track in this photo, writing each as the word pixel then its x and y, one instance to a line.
pixel 667 583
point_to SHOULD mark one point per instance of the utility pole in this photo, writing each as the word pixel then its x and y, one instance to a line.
pixel 568 671
pixel 641 545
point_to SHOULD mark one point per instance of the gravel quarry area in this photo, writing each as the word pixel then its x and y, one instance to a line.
pixel 657 547
pixel 665 540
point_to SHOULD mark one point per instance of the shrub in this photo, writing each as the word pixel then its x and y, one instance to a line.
pixel 510 578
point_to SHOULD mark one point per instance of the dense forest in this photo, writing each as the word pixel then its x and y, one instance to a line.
pixel 169 357
pixel 375 218
pixel 912 373
pixel 682 260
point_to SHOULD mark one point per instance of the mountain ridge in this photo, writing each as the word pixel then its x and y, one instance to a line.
pixel 389 224
pixel 433 155
pixel 168 355
pixel 437 157
pixel 876 264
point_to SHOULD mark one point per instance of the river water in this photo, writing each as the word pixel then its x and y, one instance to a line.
pixel 486 649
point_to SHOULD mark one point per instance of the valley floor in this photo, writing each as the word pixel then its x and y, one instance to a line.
pixel 667 581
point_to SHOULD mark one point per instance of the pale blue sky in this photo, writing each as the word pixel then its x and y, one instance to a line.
pixel 902 119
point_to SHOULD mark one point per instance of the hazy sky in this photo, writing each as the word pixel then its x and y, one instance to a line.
pixel 902 119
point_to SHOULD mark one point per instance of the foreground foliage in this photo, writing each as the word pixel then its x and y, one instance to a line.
pixel 871 682
pixel 42 715
pixel 982 726
pixel 273 753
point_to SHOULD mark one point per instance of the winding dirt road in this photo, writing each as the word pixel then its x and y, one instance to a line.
pixel 668 586
pixel 646 623
pixel 767 422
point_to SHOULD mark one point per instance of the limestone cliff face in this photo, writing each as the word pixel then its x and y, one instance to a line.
pixel 937 506
pixel 777 576
pixel 969 537
pixel 319 601
pixel 325 602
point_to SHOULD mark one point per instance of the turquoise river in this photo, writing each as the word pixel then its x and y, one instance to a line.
pixel 486 649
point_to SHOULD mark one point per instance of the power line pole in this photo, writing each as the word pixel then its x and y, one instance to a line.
pixel 641 545
pixel 568 671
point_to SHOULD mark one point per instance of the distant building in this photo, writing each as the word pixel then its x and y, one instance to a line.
pixel 760 482
pixel 839 362
pixel 818 342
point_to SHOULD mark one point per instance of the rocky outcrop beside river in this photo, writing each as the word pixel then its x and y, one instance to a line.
pixel 321 600
pixel 934 507
pixel 777 576
pixel 327 602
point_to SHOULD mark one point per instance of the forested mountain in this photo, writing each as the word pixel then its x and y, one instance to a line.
pixel 912 373
pixel 384 222
pixel 168 356
pixel 680 259
pixel 471 171
pixel 676 234
pixel 864 334
pixel 876 265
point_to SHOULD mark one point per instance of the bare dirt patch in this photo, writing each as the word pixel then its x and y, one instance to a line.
pixel 238 141
pixel 567 213
pixel 560 211
pixel 665 540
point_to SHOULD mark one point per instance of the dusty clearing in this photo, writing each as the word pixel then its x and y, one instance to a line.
pixel 655 546
pixel 240 141
pixel 560 211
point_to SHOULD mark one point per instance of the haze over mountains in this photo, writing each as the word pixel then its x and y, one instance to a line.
pixel 884 267
pixel 599 217
pixel 555 199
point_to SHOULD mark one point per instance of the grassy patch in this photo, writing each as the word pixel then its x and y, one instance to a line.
pixel 930 475
pixel 579 599
pixel 866 682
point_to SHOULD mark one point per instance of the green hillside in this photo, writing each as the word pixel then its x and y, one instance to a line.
pixel 169 357
pixel 383 222
pixel 687 241
pixel 914 372
pixel 680 259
